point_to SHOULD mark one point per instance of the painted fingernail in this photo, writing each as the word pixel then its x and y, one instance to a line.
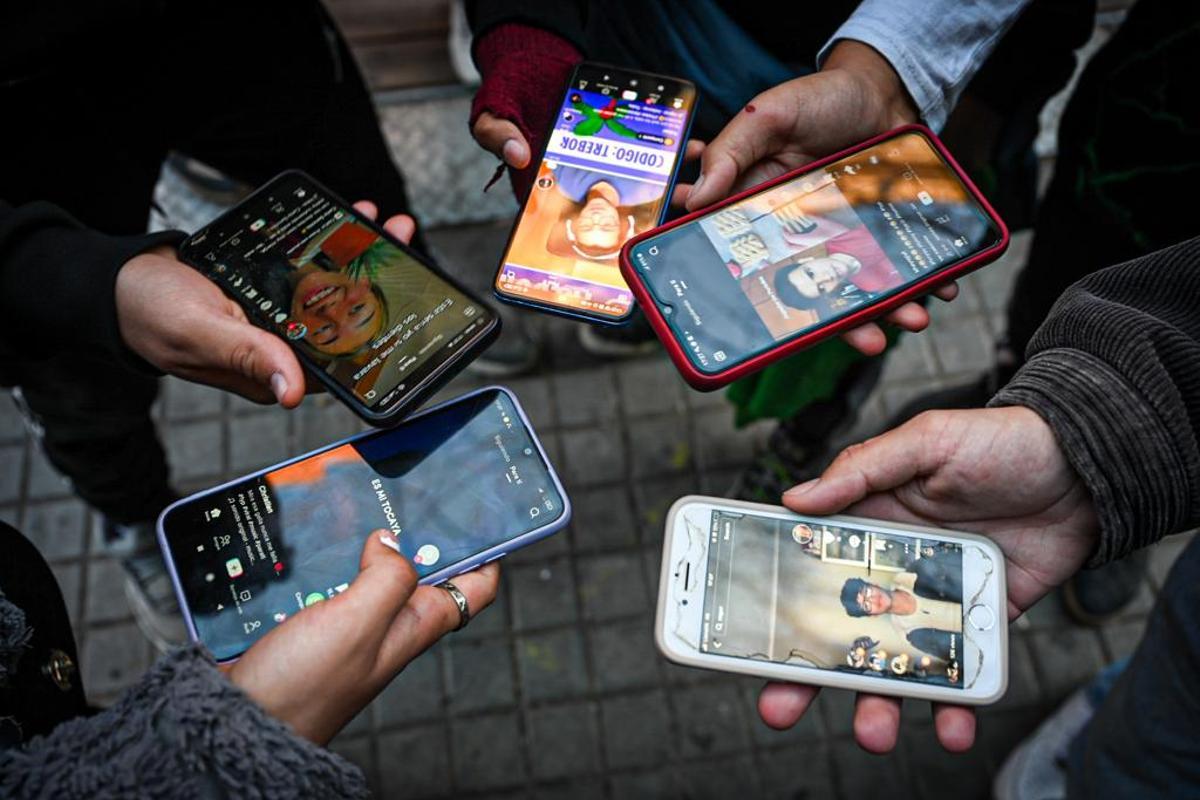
pixel 279 385
pixel 802 489
pixel 387 541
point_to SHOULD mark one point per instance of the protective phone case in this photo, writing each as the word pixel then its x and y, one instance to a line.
pixel 457 568
pixel 708 381
pixel 569 313
pixel 782 672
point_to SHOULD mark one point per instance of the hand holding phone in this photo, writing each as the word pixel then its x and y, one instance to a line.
pixel 319 670
pixel 999 472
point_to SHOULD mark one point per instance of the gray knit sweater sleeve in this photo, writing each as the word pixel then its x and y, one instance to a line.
pixel 1115 371
pixel 183 731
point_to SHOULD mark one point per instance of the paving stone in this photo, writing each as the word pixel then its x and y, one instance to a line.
pixel 362 724
pixel 542 594
pixel 998 732
pixel 1122 638
pixel 660 446
pixel 487 753
pixel 720 779
pixel 186 400
pixel 480 675
pixel 415 694
pixel 415 762
pixel 719 444
pixel 257 441
pixel 540 551
pixel 586 397
pixel 798 774
pixel 1023 687
pixel 651 386
pixel 45 481
pixel 623 654
pixel 1045 613
pixel 712 720
pixel 1066 659
pixel 910 359
pixel 534 396
pixel 644 785
pixel 591 456
pixel 11 515
pixel 194 449
pixel 12 424
pixel 994 282
pixel 964 347
pixel 57 528
pixel 70 583
pixel 603 519
pixel 861 774
pixel 321 421
pixel 704 400
pixel 637 730
pixel 563 741
pixel 358 751
pixel 491 621
pixel 113 659
pixel 105 592
pixel 576 790
pixel 653 499
pixel 552 665
pixel 1163 555
pixel 934 769
pixel 894 397
pixel 612 586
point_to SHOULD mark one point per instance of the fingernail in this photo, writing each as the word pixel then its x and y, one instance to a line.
pixel 279 385
pixel 696 186
pixel 513 152
pixel 802 489
pixel 388 541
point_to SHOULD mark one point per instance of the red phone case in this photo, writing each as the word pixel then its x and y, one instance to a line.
pixel 709 381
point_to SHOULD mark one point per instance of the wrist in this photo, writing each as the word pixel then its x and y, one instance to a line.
pixel 892 105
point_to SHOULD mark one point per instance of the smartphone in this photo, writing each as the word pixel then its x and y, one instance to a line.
pixel 380 325
pixel 739 285
pixel 835 601
pixel 605 175
pixel 460 484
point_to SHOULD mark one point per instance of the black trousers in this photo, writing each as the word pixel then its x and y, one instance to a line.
pixel 249 88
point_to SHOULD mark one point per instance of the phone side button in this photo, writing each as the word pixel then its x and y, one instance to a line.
pixel 981 618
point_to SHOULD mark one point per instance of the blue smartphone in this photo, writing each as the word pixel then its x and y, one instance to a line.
pixel 460 484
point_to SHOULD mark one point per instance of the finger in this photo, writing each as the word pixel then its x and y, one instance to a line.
pixel 503 139
pixel 402 226
pixel 955 726
pixel 910 316
pixel 679 196
pixel 868 339
pixel 746 139
pixel 431 613
pixel 876 722
pixel 878 464
pixel 367 209
pixel 262 360
pixel 781 705
pixel 947 292
pixel 385 582
pixel 693 150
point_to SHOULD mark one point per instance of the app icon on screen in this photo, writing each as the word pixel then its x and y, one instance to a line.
pixel 427 555
pixel 234 567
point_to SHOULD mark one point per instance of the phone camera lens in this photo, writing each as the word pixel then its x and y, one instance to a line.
pixel 685 602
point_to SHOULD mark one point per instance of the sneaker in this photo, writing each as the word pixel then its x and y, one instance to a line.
pixel 148 586
pixel 1094 596
pixel 513 353
pixel 1037 768
pixel 627 341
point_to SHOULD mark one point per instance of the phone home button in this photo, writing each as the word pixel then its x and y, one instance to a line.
pixel 981 618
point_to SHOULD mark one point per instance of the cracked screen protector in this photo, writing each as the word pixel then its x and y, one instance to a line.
pixel 834 597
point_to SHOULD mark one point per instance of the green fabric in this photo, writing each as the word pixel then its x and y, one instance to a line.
pixel 787 387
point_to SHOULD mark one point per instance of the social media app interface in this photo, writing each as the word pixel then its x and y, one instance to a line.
pixel 832 597
pixel 603 179
pixel 778 264
pixel 358 307
pixel 448 485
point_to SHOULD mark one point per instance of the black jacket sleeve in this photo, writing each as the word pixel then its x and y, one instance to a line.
pixel 57 282
pixel 1115 371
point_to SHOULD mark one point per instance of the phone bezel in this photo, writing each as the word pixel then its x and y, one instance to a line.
pixel 412 398
pixel 579 314
pixel 708 381
pixel 996 639
pixel 449 571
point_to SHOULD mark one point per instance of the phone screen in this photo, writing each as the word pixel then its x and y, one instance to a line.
pixel 450 484
pixel 604 178
pixel 735 283
pixel 358 307
pixel 833 597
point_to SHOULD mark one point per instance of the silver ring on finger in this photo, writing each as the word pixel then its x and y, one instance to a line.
pixel 460 600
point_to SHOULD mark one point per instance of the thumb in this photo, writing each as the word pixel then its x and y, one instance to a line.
pixel 386 579
pixel 262 358
pixel 745 140
pixel 877 465
pixel 503 138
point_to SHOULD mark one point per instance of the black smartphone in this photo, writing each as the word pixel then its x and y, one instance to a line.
pixel 604 176
pixel 379 324
pixel 459 485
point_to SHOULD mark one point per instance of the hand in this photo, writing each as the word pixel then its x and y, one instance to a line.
pixel 855 96
pixel 352 645
pixel 998 472
pixel 182 323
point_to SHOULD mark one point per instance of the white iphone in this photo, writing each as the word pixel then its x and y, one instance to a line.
pixel 836 601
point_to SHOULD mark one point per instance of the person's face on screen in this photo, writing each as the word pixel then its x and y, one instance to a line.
pixel 598 224
pixel 341 314
pixel 820 276
pixel 874 600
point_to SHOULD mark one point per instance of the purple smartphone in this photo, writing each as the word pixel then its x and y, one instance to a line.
pixel 460 484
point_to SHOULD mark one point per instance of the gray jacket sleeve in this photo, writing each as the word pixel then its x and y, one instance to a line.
pixel 1115 371
pixel 183 731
